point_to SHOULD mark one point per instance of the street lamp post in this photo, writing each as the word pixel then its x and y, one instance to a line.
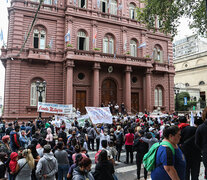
pixel 40 88
pixel 176 90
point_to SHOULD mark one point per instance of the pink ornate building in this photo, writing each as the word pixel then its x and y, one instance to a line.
pixel 98 60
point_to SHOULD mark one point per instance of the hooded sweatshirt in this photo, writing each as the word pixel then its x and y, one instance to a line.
pixel 79 175
pixel 13 162
pixel 47 165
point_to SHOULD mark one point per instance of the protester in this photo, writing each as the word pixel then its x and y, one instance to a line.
pixel 25 165
pixel 78 158
pixel 201 138
pixel 47 166
pixel 4 145
pixel 63 162
pixel 3 157
pixel 24 141
pixel 191 151
pixel 14 139
pixel 141 148
pixel 170 166
pixel 129 139
pixel 91 137
pixel 119 142
pixel 82 172
pixel 104 169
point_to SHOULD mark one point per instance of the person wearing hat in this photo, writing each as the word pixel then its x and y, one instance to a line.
pixel 47 166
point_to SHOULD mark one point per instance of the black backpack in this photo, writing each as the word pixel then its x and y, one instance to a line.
pixel 119 138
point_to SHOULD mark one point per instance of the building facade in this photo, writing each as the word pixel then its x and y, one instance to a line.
pixel 190 60
pixel 88 53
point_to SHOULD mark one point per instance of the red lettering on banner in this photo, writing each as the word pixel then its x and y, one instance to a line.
pixel 43 108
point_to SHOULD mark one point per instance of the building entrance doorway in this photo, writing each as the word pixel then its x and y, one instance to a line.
pixel 81 101
pixel 108 92
pixel 135 102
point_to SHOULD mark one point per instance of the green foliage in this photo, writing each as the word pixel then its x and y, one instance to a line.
pixel 169 13
pixel 69 45
pixel 180 103
pixel 96 49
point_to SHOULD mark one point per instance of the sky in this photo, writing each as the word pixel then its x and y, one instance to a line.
pixel 183 31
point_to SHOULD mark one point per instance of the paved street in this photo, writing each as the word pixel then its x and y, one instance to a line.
pixel 128 171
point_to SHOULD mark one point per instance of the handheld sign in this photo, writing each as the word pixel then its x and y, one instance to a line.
pixel 99 115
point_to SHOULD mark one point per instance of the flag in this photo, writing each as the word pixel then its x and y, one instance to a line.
pixel 191 119
pixel 120 7
pixel 98 3
pixel 74 2
pixel 6 1
pixel 50 44
pixel 125 45
pixel 1 36
pixel 55 2
pixel 67 36
pixel 94 39
pixel 142 45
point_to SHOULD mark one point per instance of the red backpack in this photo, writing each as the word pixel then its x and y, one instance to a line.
pixel 97 155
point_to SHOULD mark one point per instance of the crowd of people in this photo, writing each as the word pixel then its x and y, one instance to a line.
pixel 39 150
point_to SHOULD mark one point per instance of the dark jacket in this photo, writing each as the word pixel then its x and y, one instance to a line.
pixel 201 136
pixel 14 140
pixel 187 143
pixel 140 146
pixel 104 170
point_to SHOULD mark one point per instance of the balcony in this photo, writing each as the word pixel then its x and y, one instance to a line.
pixel 96 56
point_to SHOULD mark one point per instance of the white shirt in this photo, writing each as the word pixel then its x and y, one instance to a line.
pixel 103 137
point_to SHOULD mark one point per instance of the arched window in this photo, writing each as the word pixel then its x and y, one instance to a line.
pixel 83 41
pixel 158 96
pixel 201 83
pixel 104 6
pixel 82 3
pixel 34 94
pixel 113 7
pixel 133 48
pixel 39 39
pixel 132 11
pixel 158 53
pixel 108 44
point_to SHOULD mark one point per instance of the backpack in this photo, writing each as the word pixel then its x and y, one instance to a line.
pixel 119 138
pixel 149 159
pixel 97 155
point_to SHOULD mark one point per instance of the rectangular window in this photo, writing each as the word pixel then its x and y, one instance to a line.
pixel 42 41
pixel 160 97
pixel 36 41
pixel 105 46
pixel 103 6
pixel 156 97
pixel 132 13
pixel 81 43
pixel 111 47
pixel 33 95
pixel 113 9
pixel 82 3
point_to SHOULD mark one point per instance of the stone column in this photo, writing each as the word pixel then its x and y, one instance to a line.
pixel 96 68
pixel 69 82
pixel 148 90
pixel 128 88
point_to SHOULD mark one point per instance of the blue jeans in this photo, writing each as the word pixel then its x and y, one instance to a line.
pixel 62 171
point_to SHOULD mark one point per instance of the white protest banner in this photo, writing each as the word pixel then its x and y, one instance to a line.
pixel 99 114
pixel 54 108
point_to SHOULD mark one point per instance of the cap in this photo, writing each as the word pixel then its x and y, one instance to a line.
pixel 151 129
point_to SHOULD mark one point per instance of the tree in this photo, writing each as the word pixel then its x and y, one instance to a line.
pixel 180 102
pixel 170 11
